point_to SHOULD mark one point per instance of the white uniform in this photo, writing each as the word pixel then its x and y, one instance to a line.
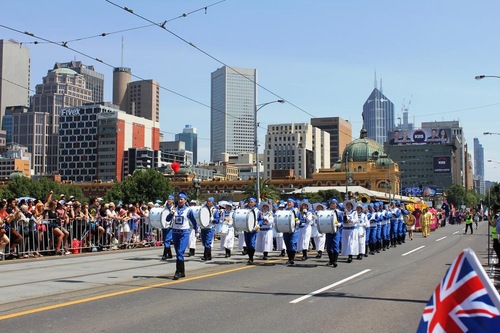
pixel 319 239
pixel 264 242
pixel 362 224
pixel 227 240
pixel 350 244
pixel 305 224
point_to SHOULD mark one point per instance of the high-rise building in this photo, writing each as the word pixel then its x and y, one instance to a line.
pixel 233 101
pixel 140 158
pixel 340 134
pixel 138 98
pixel 378 115
pixel 190 136
pixel 479 165
pixel 94 81
pixel 38 127
pixel 144 99
pixel 175 151
pixel 296 149
pixel 15 77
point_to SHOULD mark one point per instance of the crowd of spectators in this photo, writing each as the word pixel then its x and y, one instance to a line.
pixel 61 226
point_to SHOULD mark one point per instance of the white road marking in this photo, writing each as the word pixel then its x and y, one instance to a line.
pixel 456 232
pixel 418 248
pixel 300 299
pixel 440 239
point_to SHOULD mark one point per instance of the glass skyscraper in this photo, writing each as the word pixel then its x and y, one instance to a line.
pixel 233 100
pixel 378 116
pixel 190 137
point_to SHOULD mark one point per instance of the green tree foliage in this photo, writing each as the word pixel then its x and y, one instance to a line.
pixel 458 195
pixel 323 196
pixel 39 189
pixel 493 197
pixel 267 191
pixel 143 186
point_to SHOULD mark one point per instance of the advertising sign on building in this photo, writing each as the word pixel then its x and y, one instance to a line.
pixel 442 164
pixel 420 137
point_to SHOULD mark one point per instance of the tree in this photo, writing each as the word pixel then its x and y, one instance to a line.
pixel 39 189
pixel 458 195
pixel 267 191
pixel 493 197
pixel 323 196
pixel 143 185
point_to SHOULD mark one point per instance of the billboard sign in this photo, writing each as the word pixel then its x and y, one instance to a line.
pixel 433 136
pixel 442 164
pixel 417 191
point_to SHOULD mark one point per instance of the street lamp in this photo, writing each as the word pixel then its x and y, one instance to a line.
pixel 256 125
pixel 196 185
pixel 480 77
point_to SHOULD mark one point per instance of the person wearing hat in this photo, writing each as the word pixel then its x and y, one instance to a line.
pixel 319 239
pixel 350 243
pixel 166 233
pixel 333 240
pixel 291 238
pixel 207 234
pixel 401 223
pixel 278 236
pixel 361 221
pixel 227 239
pixel 386 226
pixel 251 236
pixel 264 242
pixel 372 235
pixel 396 214
pixel 305 228
pixel 182 219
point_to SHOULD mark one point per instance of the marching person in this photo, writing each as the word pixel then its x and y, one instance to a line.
pixel 333 239
pixel 207 234
pixel 167 232
pixel 372 239
pixel 319 238
pixel 182 219
pixel 395 215
pixel 386 224
pixel 350 243
pixel 227 240
pixel 278 236
pixel 402 224
pixel 264 241
pixel 305 223
pixel 361 221
pixel 411 225
pixel 251 236
pixel 426 222
pixel 290 238
pixel 192 234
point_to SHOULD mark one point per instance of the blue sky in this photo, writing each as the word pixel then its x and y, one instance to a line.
pixel 318 54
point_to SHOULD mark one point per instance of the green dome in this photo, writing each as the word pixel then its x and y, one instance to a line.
pixel 363 149
pixel 64 71
pixel 384 161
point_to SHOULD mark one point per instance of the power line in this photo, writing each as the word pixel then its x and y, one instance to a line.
pixel 105 34
pixel 208 55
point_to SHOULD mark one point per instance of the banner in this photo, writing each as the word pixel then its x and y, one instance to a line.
pixel 420 137
pixel 442 164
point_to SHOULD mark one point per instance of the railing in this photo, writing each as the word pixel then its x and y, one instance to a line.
pixel 32 238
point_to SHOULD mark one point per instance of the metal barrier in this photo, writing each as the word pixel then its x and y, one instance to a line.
pixel 33 238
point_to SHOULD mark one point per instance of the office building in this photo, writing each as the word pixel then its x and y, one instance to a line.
pixel 340 131
pixel 94 81
pixel 175 151
pixel 298 149
pixel 15 68
pixel 121 78
pixel 190 136
pixel 37 128
pixel 378 115
pixel 139 159
pixel 233 102
pixel 479 166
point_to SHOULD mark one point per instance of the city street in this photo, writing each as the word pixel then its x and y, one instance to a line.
pixel 131 291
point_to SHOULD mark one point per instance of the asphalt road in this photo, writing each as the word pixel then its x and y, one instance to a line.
pixel 131 291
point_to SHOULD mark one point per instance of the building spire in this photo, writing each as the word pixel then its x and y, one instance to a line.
pixel 375 81
pixel 381 89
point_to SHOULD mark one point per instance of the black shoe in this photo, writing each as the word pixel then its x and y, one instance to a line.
pixel 191 253
pixel 177 274
pixel 209 254
pixel 245 252
pixel 330 259
pixel 304 255
pixel 169 253
pixel 359 257
pixel 318 256
pixel 283 253
pixel 349 259
pixel 335 256
pixel 205 254
pixel 228 253
pixel 182 270
pixel 265 256
pixel 164 256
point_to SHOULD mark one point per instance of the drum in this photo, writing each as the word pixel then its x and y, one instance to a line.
pixel 244 220
pixel 285 221
pixel 158 218
pixel 221 229
pixel 327 222
pixel 202 216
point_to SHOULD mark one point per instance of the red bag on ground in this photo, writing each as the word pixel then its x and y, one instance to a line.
pixel 75 246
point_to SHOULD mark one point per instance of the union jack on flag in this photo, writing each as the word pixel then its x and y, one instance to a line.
pixel 464 301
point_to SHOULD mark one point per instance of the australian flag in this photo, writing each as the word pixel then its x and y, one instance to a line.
pixel 464 301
